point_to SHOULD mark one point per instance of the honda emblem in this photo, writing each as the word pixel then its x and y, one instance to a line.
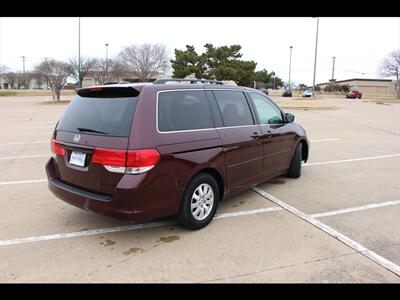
pixel 77 138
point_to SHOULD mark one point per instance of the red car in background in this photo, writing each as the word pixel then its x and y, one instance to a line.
pixel 354 94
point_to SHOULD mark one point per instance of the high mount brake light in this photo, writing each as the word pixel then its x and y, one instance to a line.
pixel 56 148
pixel 126 161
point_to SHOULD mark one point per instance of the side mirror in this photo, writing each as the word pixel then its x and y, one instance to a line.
pixel 289 117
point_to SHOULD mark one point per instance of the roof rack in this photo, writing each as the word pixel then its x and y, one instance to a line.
pixel 188 80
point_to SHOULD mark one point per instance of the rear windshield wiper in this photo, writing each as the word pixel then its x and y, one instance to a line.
pixel 91 130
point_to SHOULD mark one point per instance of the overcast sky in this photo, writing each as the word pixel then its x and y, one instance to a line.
pixel 359 44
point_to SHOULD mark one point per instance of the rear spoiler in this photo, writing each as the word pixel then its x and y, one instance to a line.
pixel 109 92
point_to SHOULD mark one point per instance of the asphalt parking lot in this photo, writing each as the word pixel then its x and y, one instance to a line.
pixel 339 222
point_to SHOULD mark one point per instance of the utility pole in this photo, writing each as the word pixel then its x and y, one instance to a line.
pixel 290 65
pixel 315 59
pixel 333 69
pixel 106 61
pixel 79 52
pixel 23 68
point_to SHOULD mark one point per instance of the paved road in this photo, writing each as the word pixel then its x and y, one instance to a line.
pixel 354 164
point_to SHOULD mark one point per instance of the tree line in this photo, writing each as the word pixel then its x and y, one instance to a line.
pixel 145 62
pixel 221 63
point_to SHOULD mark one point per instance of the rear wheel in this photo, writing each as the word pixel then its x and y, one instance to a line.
pixel 295 165
pixel 199 203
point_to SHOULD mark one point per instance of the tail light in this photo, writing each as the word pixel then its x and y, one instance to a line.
pixel 130 161
pixel 56 148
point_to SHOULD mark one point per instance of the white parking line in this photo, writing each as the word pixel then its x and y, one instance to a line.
pixel 332 232
pixel 350 160
pixel 37 127
pixel 124 228
pixel 27 156
pixel 325 140
pixel 24 143
pixel 22 181
pixel 353 209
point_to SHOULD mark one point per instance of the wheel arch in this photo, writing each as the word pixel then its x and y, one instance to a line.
pixel 217 176
pixel 304 150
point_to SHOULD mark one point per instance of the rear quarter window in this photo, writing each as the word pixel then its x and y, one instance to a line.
pixel 110 115
pixel 183 110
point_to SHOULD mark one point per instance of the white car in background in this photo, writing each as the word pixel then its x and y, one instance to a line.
pixel 307 93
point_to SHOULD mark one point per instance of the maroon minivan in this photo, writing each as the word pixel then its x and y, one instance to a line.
pixel 141 151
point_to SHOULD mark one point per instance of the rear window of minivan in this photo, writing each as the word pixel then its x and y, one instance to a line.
pixel 98 115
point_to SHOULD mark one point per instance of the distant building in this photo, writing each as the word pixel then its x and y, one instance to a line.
pixel 33 84
pixel 368 87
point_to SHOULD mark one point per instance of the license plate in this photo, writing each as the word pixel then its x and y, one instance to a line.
pixel 77 158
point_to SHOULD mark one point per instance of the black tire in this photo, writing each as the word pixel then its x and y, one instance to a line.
pixel 185 216
pixel 295 164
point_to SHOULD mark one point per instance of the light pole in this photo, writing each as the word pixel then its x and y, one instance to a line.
pixel 290 65
pixel 79 52
pixel 106 56
pixel 23 68
pixel 315 59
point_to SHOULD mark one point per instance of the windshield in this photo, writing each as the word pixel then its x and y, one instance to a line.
pixel 100 116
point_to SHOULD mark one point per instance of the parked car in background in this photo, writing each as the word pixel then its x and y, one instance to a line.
pixel 287 93
pixel 354 94
pixel 307 93
pixel 169 149
pixel 265 91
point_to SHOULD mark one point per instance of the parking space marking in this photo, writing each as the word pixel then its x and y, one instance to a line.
pixel 22 181
pixel 350 160
pixel 325 140
pixel 57 236
pixel 353 209
pixel 24 143
pixel 332 232
pixel 37 127
pixel 27 156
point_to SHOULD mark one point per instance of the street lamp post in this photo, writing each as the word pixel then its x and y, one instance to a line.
pixel 79 52
pixel 106 56
pixel 290 65
pixel 315 59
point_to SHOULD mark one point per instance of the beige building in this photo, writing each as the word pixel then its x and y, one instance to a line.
pixel 369 87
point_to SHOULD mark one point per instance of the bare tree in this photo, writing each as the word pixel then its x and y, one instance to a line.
pixel 146 60
pixel 23 80
pixel 11 79
pixel 55 74
pixel 86 67
pixel 391 67
pixel 104 72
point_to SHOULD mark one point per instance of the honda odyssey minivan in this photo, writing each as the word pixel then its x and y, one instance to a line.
pixel 142 151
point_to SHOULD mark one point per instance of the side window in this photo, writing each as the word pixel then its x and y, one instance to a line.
pixel 183 110
pixel 234 108
pixel 268 113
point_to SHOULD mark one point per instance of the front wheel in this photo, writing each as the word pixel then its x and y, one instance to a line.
pixel 199 203
pixel 295 164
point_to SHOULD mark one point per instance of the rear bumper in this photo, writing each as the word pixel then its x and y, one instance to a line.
pixel 137 204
